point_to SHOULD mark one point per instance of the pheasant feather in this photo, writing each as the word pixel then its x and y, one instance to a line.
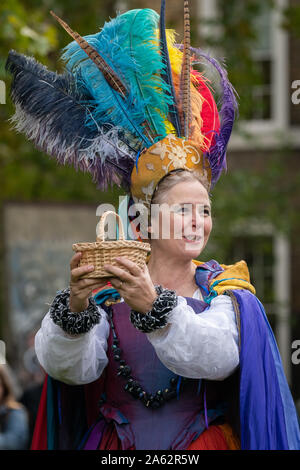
pixel 108 105
pixel 185 72
pixel 107 71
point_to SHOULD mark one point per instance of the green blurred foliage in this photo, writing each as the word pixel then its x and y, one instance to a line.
pixel 291 21
pixel 28 175
pixel 27 26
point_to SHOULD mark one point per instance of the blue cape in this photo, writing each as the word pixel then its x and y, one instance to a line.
pixel 268 416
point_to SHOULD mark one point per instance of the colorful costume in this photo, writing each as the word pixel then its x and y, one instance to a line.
pixel 242 401
pixel 130 108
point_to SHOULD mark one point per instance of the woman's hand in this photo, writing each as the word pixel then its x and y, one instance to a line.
pixel 136 287
pixel 81 289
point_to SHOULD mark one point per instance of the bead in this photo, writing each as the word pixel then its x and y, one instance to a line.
pixel 117 351
pixel 173 382
pixel 126 370
pixel 155 404
pixel 158 397
pixel 135 393
pixel 168 394
pixel 153 401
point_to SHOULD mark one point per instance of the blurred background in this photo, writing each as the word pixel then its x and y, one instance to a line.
pixel 44 208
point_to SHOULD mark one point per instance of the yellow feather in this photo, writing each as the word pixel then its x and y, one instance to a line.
pixel 175 54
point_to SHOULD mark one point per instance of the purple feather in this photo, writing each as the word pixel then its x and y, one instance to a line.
pixel 227 113
pixel 229 106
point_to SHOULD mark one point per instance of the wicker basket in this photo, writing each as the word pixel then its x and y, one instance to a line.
pixel 103 252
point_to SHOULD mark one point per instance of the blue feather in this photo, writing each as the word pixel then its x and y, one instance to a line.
pixel 109 107
pixel 43 100
pixel 141 29
pixel 129 45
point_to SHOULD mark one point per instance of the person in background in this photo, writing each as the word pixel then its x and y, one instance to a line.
pixel 14 425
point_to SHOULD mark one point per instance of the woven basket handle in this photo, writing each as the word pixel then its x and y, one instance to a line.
pixel 101 233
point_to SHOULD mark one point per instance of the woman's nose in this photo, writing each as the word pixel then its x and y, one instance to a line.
pixel 197 219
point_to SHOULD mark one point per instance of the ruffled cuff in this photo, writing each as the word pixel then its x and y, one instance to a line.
pixel 157 317
pixel 73 323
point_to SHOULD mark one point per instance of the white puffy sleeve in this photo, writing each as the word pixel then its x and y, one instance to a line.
pixel 203 345
pixel 74 360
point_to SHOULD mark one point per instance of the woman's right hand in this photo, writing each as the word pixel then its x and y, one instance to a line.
pixel 81 289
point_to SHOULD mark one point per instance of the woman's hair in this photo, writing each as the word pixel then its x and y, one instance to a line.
pixel 8 397
pixel 173 178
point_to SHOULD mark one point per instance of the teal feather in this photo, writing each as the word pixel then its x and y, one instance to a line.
pixel 107 105
pixel 141 32
pixel 125 44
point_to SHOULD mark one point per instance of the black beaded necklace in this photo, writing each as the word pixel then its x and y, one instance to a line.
pixel 153 401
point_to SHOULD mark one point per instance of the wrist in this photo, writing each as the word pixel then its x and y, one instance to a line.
pixel 150 301
pixel 77 307
pixel 156 318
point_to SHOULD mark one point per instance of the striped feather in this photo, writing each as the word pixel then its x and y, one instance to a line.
pixel 103 66
pixel 185 91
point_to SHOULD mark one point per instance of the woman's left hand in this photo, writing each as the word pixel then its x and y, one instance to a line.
pixel 136 287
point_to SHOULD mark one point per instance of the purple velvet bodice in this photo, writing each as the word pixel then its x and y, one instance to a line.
pixel 172 426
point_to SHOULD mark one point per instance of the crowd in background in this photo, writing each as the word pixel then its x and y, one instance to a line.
pixel 17 414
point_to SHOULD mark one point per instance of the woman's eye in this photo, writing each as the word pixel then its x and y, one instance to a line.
pixel 181 210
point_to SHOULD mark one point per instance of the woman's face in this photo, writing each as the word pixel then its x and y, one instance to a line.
pixel 188 210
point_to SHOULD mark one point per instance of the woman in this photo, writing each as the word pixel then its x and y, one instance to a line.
pixel 14 428
pixel 169 349
pixel 177 348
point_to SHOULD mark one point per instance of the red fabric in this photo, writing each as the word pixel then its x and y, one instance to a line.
pixel 110 439
pixel 211 439
pixel 39 440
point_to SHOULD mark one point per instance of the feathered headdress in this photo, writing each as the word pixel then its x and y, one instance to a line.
pixel 130 106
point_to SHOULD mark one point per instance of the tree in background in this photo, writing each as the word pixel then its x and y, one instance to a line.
pixel 28 175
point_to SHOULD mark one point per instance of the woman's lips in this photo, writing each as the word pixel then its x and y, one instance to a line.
pixel 196 240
